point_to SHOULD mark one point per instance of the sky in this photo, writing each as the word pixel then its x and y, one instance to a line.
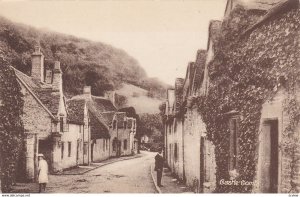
pixel 163 35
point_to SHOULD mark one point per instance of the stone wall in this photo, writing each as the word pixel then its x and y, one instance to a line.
pixel 193 127
pixel 276 41
pixel 71 137
pixel 38 123
pixel 100 150
pixel 273 110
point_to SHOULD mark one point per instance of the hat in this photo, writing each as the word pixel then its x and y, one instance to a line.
pixel 40 155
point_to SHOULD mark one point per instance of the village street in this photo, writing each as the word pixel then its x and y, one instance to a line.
pixel 128 176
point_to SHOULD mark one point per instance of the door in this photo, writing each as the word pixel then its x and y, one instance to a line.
pixel 92 152
pixel 119 143
pixel 202 167
pixel 269 157
pixel 77 152
pixel 45 148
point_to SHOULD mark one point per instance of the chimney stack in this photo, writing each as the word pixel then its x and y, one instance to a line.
pixel 87 91
pixel 37 64
pixel 57 77
pixel 111 95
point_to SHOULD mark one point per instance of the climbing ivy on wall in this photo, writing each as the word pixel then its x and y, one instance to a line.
pixel 246 71
pixel 11 128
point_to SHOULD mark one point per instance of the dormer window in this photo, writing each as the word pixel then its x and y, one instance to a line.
pixel 114 124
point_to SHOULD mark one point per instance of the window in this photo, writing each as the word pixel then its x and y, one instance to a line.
pixel 125 124
pixel 85 148
pixel 114 124
pixel 61 124
pixel 107 143
pixel 175 152
pixel 69 149
pixel 104 144
pixel 125 144
pixel 233 146
pixel 114 145
pixel 62 149
pixel 129 126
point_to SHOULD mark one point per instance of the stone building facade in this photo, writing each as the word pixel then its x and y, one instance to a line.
pixel 122 135
pixel 68 132
pixel 270 38
pixel 44 115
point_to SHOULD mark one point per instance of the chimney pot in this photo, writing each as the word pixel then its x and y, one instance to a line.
pixel 57 66
pixel 87 90
pixel 57 76
pixel 37 68
pixel 37 49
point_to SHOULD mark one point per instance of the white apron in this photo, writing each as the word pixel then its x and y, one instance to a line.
pixel 43 168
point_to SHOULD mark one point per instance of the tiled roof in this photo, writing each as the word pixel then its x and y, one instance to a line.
pixel 200 65
pixel 130 111
pixel 98 129
pixel 44 92
pixel 108 117
pixel 214 29
pixel 75 110
pixel 188 78
pixel 258 4
pixel 104 104
pixel 178 93
pixel 274 11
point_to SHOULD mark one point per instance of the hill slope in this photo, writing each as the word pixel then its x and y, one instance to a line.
pixel 139 99
pixel 83 62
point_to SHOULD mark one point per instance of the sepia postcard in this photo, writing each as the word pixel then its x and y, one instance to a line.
pixel 150 96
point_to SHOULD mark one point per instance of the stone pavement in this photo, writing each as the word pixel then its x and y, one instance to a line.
pixel 33 187
pixel 170 184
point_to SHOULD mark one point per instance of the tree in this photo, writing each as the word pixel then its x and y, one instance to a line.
pixel 11 127
pixel 151 125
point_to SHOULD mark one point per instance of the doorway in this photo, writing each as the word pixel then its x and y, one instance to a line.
pixel 202 161
pixel 45 148
pixel 268 153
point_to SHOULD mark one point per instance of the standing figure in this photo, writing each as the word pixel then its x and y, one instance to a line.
pixel 159 165
pixel 43 173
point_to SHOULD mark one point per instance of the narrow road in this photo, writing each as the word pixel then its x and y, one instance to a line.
pixel 129 176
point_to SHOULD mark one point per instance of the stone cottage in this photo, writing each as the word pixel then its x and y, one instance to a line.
pixel 44 115
pixel 190 155
pixel 245 112
pixel 85 116
pixel 123 135
pixel 104 132
pixel 270 39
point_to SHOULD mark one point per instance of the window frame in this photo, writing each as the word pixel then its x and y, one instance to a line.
pixel 233 124
pixel 69 149
pixel 62 149
pixel 125 144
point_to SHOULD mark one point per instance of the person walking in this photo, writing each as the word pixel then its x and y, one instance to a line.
pixel 159 165
pixel 43 173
